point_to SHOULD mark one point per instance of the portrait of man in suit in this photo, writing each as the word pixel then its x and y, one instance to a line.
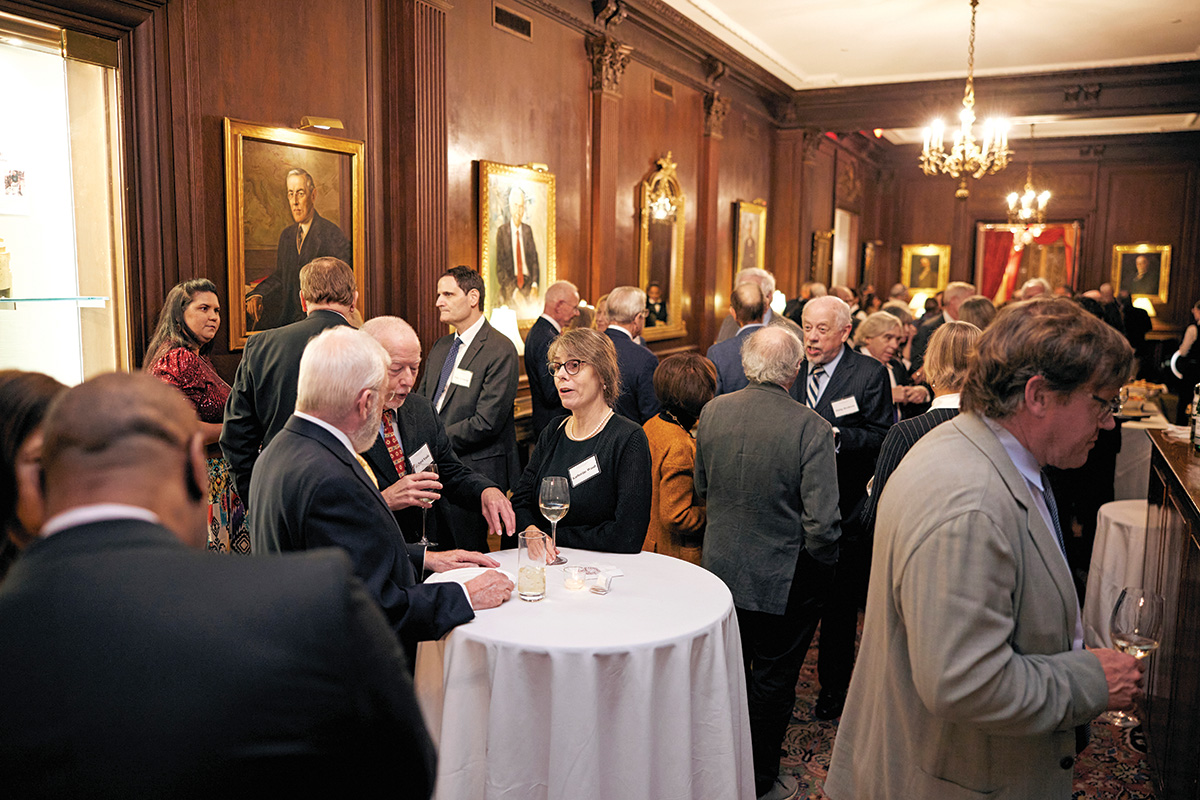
pixel 275 300
pixel 1140 273
pixel 924 272
pixel 517 264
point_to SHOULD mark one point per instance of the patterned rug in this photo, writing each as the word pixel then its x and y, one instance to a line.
pixel 1114 766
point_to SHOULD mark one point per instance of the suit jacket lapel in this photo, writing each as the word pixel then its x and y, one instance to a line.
pixel 465 363
pixel 837 382
pixel 1043 538
pixel 330 443
pixel 381 461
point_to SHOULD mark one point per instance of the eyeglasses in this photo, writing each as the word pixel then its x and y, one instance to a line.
pixel 1108 406
pixel 571 366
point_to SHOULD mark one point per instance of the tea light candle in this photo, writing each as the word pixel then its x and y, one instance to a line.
pixel 573 577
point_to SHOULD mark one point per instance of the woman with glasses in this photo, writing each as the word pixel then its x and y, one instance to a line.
pixel 605 457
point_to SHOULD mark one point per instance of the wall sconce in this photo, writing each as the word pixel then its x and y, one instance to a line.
pixel 320 124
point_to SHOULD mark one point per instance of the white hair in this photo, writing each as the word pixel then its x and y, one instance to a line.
pixel 764 279
pixel 338 364
pixel 772 355
pixel 379 327
pixel 625 303
pixel 840 310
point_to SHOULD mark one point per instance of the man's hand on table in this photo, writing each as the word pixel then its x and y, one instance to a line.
pixel 498 512
pixel 442 561
pixel 420 489
pixel 489 590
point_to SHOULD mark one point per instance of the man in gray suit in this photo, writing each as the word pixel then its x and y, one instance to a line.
pixel 775 545
pixel 471 379
pixel 972 679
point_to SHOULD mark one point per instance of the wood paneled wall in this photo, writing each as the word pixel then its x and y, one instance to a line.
pixel 434 87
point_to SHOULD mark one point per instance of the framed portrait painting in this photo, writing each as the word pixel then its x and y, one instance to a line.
pixel 1143 270
pixel 290 196
pixel 750 235
pixel 821 261
pixel 516 237
pixel 925 267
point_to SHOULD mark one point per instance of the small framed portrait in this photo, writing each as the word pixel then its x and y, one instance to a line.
pixel 290 196
pixel 925 267
pixel 749 235
pixel 516 237
pixel 1143 270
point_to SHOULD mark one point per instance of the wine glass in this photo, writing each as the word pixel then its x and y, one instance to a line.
pixel 555 499
pixel 425 510
pixel 1135 627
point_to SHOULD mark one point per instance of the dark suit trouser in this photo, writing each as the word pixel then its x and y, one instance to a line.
pixel 773 649
pixel 839 620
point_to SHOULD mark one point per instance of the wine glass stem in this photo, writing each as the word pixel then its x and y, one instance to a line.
pixel 424 538
pixel 554 533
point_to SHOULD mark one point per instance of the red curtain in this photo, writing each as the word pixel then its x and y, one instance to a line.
pixel 997 245
pixel 1002 259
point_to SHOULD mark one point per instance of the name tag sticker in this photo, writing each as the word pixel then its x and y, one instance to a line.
pixel 461 377
pixel 584 471
pixel 847 405
pixel 421 459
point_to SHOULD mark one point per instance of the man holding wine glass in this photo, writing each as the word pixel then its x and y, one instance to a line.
pixel 972 675
pixel 412 457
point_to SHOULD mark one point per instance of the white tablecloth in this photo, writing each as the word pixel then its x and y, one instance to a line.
pixel 1117 561
pixel 635 695
pixel 1133 462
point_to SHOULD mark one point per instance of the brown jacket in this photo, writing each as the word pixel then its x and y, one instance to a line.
pixel 676 513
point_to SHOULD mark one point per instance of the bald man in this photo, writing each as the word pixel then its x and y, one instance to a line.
pixel 562 306
pixel 137 665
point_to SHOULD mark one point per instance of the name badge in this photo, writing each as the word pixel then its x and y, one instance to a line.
pixel 461 377
pixel 847 405
pixel 421 460
pixel 584 471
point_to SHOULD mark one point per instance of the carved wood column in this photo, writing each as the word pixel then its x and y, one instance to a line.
pixel 786 247
pixel 609 59
pixel 409 88
pixel 710 285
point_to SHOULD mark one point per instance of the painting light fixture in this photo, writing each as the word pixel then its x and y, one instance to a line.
pixel 321 124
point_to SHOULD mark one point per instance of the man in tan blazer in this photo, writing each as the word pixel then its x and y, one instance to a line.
pixel 972 679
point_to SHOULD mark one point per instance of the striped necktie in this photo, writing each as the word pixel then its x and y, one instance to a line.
pixel 814 386
pixel 1052 507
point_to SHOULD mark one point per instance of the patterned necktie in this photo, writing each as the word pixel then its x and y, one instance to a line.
pixel 447 368
pixel 814 386
pixel 393 442
pixel 1052 507
pixel 362 462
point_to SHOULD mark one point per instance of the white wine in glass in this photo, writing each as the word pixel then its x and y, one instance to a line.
pixel 554 500
pixel 425 510
pixel 1136 628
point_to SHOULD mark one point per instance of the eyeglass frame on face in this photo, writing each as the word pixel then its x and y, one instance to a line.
pixel 1108 406
pixel 554 366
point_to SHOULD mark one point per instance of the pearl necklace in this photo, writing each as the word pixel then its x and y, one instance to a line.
pixel 595 430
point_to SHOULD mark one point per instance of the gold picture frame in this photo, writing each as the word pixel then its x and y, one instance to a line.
pixel 1143 270
pixel 749 234
pixel 266 243
pixel 925 267
pixel 527 190
pixel 660 246
pixel 821 261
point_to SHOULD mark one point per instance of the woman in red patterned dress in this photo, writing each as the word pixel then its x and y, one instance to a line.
pixel 190 319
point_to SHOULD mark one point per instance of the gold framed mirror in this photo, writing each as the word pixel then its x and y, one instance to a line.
pixel 660 251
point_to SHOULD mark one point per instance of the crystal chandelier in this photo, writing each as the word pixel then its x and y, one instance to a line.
pixel 1029 206
pixel 966 157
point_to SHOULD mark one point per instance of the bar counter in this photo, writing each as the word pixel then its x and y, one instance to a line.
pixel 1173 568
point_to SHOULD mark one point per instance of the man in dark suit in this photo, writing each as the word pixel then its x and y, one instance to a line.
pixel 411 438
pixel 311 489
pixel 952 298
pixel 774 550
pixel 136 665
pixel 745 306
pixel 852 392
pixel 562 306
pixel 471 379
pixel 263 395
pixel 517 270
pixel 626 316
pixel 275 300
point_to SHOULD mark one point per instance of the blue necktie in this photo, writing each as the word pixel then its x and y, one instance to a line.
pixel 447 368
pixel 1052 507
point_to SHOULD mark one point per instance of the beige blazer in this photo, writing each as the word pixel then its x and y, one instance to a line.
pixel 966 685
